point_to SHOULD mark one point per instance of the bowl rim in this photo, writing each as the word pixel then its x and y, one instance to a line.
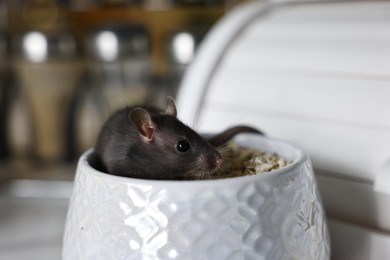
pixel 85 167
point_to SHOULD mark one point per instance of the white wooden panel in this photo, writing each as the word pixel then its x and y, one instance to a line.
pixel 336 100
pixel 341 148
pixel 340 38
pixel 355 202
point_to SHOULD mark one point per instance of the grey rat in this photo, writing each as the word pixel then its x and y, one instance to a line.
pixel 146 142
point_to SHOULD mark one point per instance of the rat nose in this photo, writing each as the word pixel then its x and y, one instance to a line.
pixel 216 160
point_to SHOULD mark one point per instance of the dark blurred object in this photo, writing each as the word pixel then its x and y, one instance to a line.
pixel 119 62
pixel 48 69
pixel 19 128
pixel 156 5
pixel 4 94
pixel 82 5
pixel 198 2
pixel 85 118
pixel 118 74
pixel 181 47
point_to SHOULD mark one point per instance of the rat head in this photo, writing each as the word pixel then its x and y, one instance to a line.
pixel 177 151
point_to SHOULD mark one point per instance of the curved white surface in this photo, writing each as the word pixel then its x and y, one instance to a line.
pixel 196 81
pixel 275 215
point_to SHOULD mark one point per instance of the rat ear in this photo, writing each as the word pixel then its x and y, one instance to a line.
pixel 171 107
pixel 141 118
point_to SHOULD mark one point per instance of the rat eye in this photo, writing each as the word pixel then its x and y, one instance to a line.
pixel 183 146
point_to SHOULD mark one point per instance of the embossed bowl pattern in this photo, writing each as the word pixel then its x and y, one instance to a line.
pixel 275 215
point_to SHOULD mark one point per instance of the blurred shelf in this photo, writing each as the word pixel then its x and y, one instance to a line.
pixel 159 23
pixel 28 169
pixel 25 179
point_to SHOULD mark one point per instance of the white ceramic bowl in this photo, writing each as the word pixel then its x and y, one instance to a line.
pixel 275 215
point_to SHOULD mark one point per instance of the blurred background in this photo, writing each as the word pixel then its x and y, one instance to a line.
pixel 66 65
